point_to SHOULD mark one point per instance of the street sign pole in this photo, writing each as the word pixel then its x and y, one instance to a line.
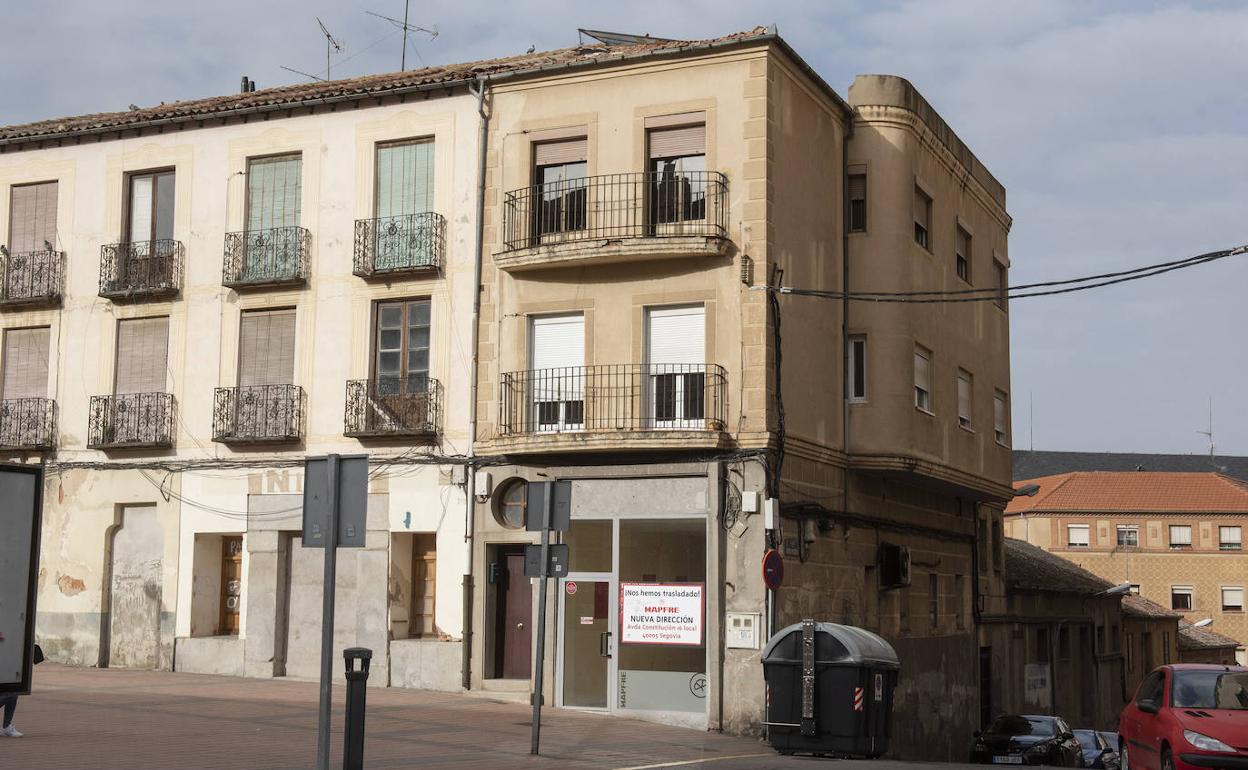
pixel 541 618
pixel 327 619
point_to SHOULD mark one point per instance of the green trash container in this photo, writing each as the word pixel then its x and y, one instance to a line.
pixel 829 690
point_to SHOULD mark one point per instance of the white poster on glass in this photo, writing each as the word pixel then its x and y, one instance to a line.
pixel 661 613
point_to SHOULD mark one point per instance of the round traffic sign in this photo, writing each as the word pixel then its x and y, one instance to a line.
pixel 773 569
pixel 570 587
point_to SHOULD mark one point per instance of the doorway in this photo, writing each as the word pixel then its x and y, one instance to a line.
pixel 513 610
pixel 135 589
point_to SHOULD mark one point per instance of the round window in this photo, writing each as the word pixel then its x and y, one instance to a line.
pixel 509 506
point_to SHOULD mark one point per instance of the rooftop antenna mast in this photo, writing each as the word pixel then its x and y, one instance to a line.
pixel 1209 433
pixel 331 45
pixel 403 25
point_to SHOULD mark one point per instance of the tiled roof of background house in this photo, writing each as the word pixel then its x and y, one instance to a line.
pixel 1032 464
pixel 368 85
pixel 1029 568
pixel 1193 638
pixel 1134 492
pixel 1136 606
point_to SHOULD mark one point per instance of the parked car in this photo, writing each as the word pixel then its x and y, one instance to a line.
pixel 1027 740
pixel 1187 716
pixel 1099 750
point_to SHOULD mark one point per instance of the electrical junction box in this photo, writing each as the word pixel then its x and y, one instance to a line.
pixel 742 630
pixel 459 475
pixel 771 513
pixel 484 483
pixel 749 502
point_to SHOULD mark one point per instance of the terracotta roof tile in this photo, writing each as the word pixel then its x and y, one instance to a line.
pixel 1134 492
pixel 1193 638
pixel 1029 568
pixel 292 95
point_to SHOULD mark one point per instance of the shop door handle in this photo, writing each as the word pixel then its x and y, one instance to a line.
pixel 520 626
pixel 604 644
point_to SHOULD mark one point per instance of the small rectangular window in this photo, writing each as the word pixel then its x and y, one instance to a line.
pixel 1180 536
pixel 1232 598
pixel 149 206
pixel 1077 535
pixel 1135 588
pixel 963 255
pixel 922 218
pixel 1181 598
pixel 922 379
pixel 965 390
pixel 858 368
pixel 1001 417
pixel 1002 286
pixel 857 203
pixel 1128 536
pixel 1230 538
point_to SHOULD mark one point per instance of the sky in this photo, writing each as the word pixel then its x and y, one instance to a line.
pixel 1119 129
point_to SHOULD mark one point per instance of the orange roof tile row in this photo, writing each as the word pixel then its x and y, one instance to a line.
pixel 1134 492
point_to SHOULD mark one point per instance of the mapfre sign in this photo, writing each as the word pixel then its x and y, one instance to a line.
pixel 662 613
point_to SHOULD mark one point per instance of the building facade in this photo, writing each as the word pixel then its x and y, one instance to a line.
pixel 619 265
pixel 1177 538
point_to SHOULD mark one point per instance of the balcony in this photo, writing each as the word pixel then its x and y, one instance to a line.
pixel 597 407
pixel 31 278
pixel 615 218
pixel 256 259
pixel 390 246
pixel 393 406
pixel 27 424
pixel 141 270
pixel 131 421
pixel 258 414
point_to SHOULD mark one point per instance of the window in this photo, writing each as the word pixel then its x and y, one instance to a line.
pixel 677 173
pixel 1002 286
pixel 142 355
pixel 858 202
pixel 1135 589
pixel 922 379
pixel 1001 417
pixel 559 173
pixel 1230 538
pixel 149 206
pixel 274 203
pixel 675 355
pixel 231 584
pixel 922 218
pixel 858 368
pixel 267 348
pixel 557 361
pixel 1077 535
pixel 32 217
pixel 413 584
pixel 1180 536
pixel 1115 638
pixel 401 347
pixel 403 196
pixel 1063 643
pixel 1151 688
pixel 509 507
pixel 933 598
pixel 1128 536
pixel 25 363
pixel 1100 639
pixel 964 398
pixel 1042 645
pixel 1232 598
pixel 962 253
pixel 1181 598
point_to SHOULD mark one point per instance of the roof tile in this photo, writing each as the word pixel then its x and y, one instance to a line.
pixel 1134 492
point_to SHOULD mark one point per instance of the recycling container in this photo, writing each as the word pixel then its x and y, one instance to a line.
pixel 829 690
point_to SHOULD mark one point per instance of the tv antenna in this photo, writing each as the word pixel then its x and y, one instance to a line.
pixel 403 25
pixel 1209 433
pixel 331 44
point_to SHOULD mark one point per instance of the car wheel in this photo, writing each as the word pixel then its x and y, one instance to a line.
pixel 1167 761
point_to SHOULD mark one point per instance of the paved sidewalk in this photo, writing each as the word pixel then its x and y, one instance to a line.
pixel 99 719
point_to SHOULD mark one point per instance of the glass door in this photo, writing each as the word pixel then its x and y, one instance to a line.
pixel 586 642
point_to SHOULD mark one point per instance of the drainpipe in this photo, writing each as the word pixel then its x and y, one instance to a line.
pixel 845 373
pixel 470 486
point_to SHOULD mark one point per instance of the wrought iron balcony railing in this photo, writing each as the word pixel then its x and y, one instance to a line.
pixel 271 257
pixel 27 424
pixel 393 406
pixel 128 420
pixel 617 206
pixel 31 278
pixel 258 414
pixel 407 243
pixel 615 397
pixel 141 269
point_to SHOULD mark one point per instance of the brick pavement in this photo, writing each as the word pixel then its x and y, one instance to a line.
pixel 101 719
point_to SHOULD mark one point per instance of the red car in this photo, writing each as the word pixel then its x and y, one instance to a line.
pixel 1187 716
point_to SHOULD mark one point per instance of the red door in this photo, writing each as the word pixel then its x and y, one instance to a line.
pixel 514 638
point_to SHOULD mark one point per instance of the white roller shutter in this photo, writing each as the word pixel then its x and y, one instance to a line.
pixel 676 335
pixel 558 342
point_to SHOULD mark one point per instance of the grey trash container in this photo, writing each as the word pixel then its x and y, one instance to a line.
pixel 829 690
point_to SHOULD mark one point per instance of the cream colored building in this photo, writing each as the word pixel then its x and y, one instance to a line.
pixel 186 369
pixel 666 228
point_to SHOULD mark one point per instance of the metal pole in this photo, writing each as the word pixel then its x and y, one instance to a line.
pixel 327 619
pixel 353 731
pixel 403 59
pixel 541 617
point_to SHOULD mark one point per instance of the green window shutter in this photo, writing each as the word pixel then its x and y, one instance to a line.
pixel 274 192
pixel 404 178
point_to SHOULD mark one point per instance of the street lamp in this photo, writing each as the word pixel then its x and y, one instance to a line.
pixel 1118 590
pixel 1203 623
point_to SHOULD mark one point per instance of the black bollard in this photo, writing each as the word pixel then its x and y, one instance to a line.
pixel 357 680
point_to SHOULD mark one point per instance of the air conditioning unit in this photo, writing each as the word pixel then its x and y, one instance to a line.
pixel 894 562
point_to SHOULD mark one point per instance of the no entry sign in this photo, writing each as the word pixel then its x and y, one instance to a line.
pixel 661 613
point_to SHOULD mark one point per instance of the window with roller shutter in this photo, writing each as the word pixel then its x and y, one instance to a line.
pixel 557 372
pixel 922 218
pixel 561 187
pixel 273 211
pixel 858 202
pixel 32 217
pixel 676 364
pixel 405 234
pixel 677 173
pixel 922 378
pixel 142 355
pixel 965 395
pixel 266 349
pixel 1001 417
pixel 25 363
